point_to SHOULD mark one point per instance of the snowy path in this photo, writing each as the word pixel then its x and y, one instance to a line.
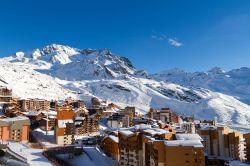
pixel 98 157
pixel 34 156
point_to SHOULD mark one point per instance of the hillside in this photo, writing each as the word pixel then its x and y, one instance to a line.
pixel 56 72
pixel 234 83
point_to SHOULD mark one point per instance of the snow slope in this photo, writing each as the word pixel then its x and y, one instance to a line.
pixel 27 83
pixel 235 82
pixel 145 93
pixel 69 63
pixel 57 71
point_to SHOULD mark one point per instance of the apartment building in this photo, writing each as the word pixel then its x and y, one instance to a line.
pixel 95 102
pixel 48 118
pixel 86 121
pixel 11 109
pixel 34 105
pixel 184 153
pixel 247 141
pixel 65 127
pixel 50 121
pixel 146 146
pixel 130 148
pixel 164 114
pixel 5 94
pixel 153 151
pixel 153 147
pixel 219 142
pixel 236 145
pixel 127 114
pixel 110 145
pixel 15 129
pixel 115 121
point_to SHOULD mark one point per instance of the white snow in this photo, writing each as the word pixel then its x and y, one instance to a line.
pixel 114 138
pixel 14 119
pixel 58 72
pixel 127 133
pixel 155 131
pixel 188 137
pixel 237 163
pixel 194 143
pixel 62 123
pixel 34 156
pixel 93 156
pixel 234 82
pixel 47 141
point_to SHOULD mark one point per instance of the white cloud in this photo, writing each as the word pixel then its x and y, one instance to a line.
pixel 174 42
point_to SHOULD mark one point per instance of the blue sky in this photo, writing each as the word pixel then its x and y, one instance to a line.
pixel 155 35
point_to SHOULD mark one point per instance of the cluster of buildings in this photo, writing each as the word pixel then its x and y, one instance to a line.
pixel 123 118
pixel 222 144
pixel 68 119
pixel 74 122
pixel 162 137
pixel 147 146
pixel 159 137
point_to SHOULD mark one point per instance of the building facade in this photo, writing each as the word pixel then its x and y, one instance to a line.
pixel 65 127
pixel 155 147
pixel 110 145
pixel 5 94
pixel 15 129
pixel 164 114
pixel 220 142
pixel 34 105
pixel 247 141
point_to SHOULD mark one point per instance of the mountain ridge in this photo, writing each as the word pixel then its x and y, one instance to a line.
pixel 73 72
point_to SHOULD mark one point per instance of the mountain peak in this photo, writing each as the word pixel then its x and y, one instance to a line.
pixel 57 48
pixel 216 70
pixel 72 63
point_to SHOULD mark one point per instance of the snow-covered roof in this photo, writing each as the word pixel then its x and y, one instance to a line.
pixel 15 119
pixel 208 127
pixel 114 138
pixel 62 123
pixel 31 113
pixel 52 117
pixel 126 132
pixel 194 143
pixel 142 127
pixel 78 123
pixel 188 137
pixel 79 118
pixel 156 131
pixel 178 130
pixel 51 112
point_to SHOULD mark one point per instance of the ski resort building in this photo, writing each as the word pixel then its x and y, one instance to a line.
pixel 127 114
pixel 5 94
pixel 219 142
pixel 65 127
pixel 165 115
pixel 247 141
pixel 110 145
pixel 15 129
pixel 154 146
pixel 86 121
pixel 34 105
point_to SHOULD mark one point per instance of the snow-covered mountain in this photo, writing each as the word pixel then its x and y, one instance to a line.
pixel 235 82
pixel 69 63
pixel 57 71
